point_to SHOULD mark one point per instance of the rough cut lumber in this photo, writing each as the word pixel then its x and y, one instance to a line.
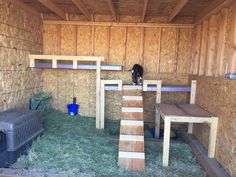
pixel 113 10
pixel 144 10
pixel 151 25
pixel 83 9
pixel 177 9
pixel 53 7
pixel 26 7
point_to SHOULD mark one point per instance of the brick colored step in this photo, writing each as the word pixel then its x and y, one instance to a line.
pixel 131 146
pixel 132 161
pixel 132 93
pixel 132 116
pixel 132 103
pixel 131 130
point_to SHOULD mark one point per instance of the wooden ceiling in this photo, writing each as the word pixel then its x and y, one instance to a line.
pixel 142 8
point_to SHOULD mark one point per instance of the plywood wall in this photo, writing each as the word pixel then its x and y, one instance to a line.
pixel 214 51
pixel 20 35
pixel 119 45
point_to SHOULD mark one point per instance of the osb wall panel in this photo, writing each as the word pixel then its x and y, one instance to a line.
pixel 20 35
pixel 222 94
pixel 215 44
pixel 119 45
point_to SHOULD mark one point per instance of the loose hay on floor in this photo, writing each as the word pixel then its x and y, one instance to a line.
pixel 73 146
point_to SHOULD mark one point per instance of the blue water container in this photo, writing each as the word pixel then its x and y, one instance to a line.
pixel 73 109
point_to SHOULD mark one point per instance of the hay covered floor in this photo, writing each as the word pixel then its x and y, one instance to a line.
pixel 74 147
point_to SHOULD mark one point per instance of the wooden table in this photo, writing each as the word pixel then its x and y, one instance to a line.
pixel 185 113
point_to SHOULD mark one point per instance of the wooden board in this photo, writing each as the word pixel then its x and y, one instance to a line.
pixel 51 39
pixel 168 50
pixel 84 40
pixel 151 49
pixel 68 40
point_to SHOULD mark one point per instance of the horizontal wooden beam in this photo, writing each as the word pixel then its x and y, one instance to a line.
pixel 214 7
pixel 153 25
pixel 113 10
pixel 144 10
pixel 53 7
pixel 81 6
pixel 26 7
pixel 177 9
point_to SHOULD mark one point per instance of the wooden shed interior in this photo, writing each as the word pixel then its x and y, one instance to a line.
pixel 176 41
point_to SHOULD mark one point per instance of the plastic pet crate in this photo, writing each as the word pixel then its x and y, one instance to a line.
pixel 18 128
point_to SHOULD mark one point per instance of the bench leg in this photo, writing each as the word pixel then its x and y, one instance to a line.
pixel 157 123
pixel 190 128
pixel 212 138
pixel 166 143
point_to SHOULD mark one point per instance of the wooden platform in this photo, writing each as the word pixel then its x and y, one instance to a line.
pixel 131 143
pixel 185 113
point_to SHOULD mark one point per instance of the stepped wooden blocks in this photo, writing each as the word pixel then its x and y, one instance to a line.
pixel 131 144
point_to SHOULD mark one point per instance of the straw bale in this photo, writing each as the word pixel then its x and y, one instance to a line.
pixel 168 50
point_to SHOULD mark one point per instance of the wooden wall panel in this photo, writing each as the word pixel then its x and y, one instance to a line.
pixel 133 47
pixel 101 42
pixel 184 50
pixel 68 40
pixel 151 49
pixel 204 47
pixel 84 40
pixel 117 45
pixel 213 31
pixel 168 50
pixel 51 39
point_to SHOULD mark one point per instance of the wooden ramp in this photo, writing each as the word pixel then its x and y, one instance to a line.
pixel 131 144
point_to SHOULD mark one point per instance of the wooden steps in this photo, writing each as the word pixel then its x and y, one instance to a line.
pixel 131 144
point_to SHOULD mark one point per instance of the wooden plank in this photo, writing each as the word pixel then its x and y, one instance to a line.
pixel 166 142
pixel 133 47
pixel 212 42
pixel 117 45
pixel 222 37
pixel 141 50
pixel 194 110
pixel 26 7
pixel 193 91
pixel 150 55
pixel 157 123
pixel 113 10
pixel 204 47
pixel 212 138
pixel 197 50
pixel 84 44
pixel 68 40
pixel 171 110
pixel 81 6
pixel 63 57
pixel 184 52
pixel 232 54
pixel 168 50
pixel 144 10
pixel 53 7
pixel 153 25
pixel 177 9
pixel 98 95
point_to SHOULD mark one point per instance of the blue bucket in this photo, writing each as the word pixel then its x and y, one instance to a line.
pixel 73 109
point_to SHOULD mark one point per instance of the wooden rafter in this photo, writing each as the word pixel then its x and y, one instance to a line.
pixel 81 6
pixel 53 7
pixel 211 8
pixel 113 10
pixel 144 10
pixel 177 9
pixel 26 7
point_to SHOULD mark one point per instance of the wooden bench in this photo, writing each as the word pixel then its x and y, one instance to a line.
pixel 185 113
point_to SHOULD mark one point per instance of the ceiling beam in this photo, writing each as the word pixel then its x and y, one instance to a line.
pixel 53 7
pixel 211 9
pixel 177 9
pixel 81 6
pixel 144 10
pixel 112 8
pixel 26 7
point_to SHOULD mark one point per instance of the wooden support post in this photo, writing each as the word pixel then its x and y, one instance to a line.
pixel 166 142
pixel 212 138
pixel 54 63
pixel 157 123
pixel 74 64
pixel 98 94
pixel 102 103
pixel 32 64
pixel 192 101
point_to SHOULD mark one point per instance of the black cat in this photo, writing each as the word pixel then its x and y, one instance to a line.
pixel 137 74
